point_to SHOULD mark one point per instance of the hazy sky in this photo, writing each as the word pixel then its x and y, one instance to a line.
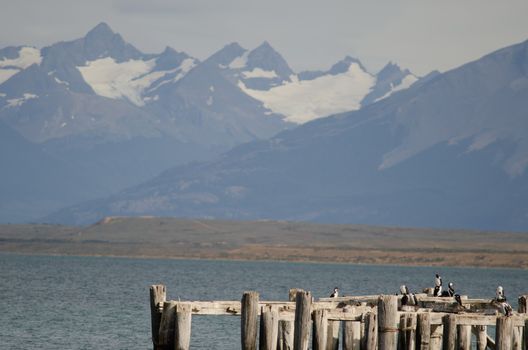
pixel 421 35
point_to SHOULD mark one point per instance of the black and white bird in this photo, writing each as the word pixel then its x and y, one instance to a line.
pixel 501 303
pixel 408 297
pixel 335 293
pixel 450 292
pixel 438 286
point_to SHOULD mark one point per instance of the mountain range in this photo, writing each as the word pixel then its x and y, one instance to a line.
pixel 451 150
pixel 111 116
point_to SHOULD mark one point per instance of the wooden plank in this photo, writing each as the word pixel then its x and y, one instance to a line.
pixel 423 331
pixel 166 330
pixel 269 328
pixel 301 332
pixel 183 326
pixel 388 322
pixel 504 333
pixel 285 341
pixel 249 320
pixel 450 332
pixel 158 295
pixel 320 325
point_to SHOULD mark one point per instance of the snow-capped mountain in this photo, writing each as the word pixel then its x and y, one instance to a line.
pixel 450 151
pixel 263 74
pixel 99 104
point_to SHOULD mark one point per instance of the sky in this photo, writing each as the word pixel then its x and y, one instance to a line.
pixel 421 35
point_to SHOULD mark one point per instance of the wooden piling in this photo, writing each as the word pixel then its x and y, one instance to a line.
pixel 183 326
pixel 517 338
pixel 292 293
pixel 423 331
pixel 301 332
pixel 450 332
pixel 285 341
pixel 525 344
pixel 249 320
pixel 481 333
pixel 269 328
pixel 407 337
pixel 320 325
pixel 388 322
pixel 351 335
pixel 158 294
pixel 332 334
pixel 371 331
pixel 504 333
pixel 464 337
pixel 437 332
pixel 523 304
pixel 167 323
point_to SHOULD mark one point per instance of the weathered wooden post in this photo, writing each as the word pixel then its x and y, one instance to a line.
pixel 351 335
pixel 249 320
pixel 269 328
pixel 292 294
pixel 408 332
pixel 464 337
pixel 388 322
pixel 517 338
pixel 303 311
pixel 183 326
pixel 523 304
pixel 481 333
pixel 320 325
pixel 504 333
pixel 158 294
pixel 167 323
pixel 285 335
pixel 424 331
pixel 371 331
pixel 437 332
pixel 450 332
pixel 332 334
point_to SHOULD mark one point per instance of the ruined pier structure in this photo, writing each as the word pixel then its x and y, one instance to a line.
pixel 368 322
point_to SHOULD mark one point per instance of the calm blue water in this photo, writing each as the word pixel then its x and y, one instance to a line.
pixel 103 303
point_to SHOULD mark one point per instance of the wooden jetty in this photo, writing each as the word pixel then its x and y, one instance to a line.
pixel 368 322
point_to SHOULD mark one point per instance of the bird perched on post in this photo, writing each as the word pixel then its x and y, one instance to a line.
pixel 501 303
pixel 335 293
pixel 450 292
pixel 438 286
pixel 408 297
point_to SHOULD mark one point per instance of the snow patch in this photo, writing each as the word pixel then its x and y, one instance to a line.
pixel 61 81
pixel 26 57
pixel 209 101
pixel 127 79
pixel 5 74
pixel 17 102
pixel 239 62
pixel 260 73
pixel 406 82
pixel 305 100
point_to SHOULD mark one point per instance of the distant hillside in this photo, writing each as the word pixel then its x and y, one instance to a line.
pixel 269 240
pixel 448 152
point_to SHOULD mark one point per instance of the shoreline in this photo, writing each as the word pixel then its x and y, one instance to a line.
pixel 319 262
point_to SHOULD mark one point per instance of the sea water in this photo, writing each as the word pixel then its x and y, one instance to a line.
pixel 65 302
